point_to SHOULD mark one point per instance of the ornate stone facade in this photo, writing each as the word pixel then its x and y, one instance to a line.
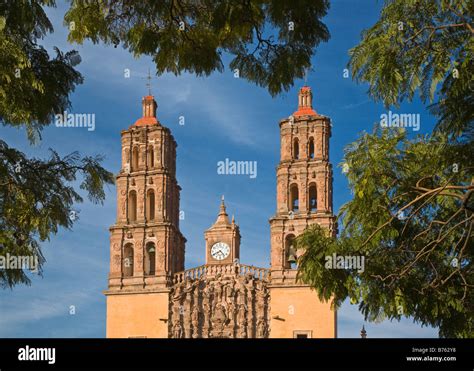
pixel 223 301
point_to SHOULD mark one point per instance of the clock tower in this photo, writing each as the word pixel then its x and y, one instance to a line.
pixel 222 239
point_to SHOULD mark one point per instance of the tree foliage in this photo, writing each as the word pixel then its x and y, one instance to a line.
pixel 271 42
pixel 413 227
pixel 36 198
pixel 36 195
pixel 33 87
pixel 417 45
pixel 411 215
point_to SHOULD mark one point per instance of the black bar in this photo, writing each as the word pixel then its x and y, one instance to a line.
pixel 381 354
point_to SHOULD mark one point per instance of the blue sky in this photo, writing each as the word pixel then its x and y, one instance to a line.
pixel 225 117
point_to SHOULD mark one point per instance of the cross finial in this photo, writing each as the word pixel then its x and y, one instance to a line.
pixel 306 75
pixel 148 84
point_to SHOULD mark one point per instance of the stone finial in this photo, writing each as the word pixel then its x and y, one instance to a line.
pixel 363 333
pixel 149 106
pixel 222 218
pixel 305 103
pixel 148 112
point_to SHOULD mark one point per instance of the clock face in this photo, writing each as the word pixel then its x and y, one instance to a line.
pixel 220 251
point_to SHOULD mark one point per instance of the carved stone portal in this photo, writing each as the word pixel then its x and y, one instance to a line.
pixel 220 306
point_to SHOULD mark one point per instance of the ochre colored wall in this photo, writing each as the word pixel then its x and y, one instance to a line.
pixel 309 313
pixel 137 315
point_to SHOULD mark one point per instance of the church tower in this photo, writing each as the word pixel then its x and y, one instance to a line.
pixel 304 197
pixel 223 240
pixel 146 245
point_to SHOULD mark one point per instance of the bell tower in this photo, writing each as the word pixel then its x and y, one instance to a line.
pixel 146 245
pixel 304 181
pixel 304 197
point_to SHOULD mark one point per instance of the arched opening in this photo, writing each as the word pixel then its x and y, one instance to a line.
pixel 151 157
pixel 296 149
pixel 313 203
pixel 132 206
pixel 294 198
pixel 150 261
pixel 290 252
pixel 127 267
pixel 311 148
pixel 150 207
pixel 135 159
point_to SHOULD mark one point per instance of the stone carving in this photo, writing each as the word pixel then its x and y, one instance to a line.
pixel 117 261
pixel 160 258
pixel 242 321
pixel 261 329
pixel 123 206
pixel 177 329
pixel 219 319
pixel 139 259
pixel 230 305
pixel 195 321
